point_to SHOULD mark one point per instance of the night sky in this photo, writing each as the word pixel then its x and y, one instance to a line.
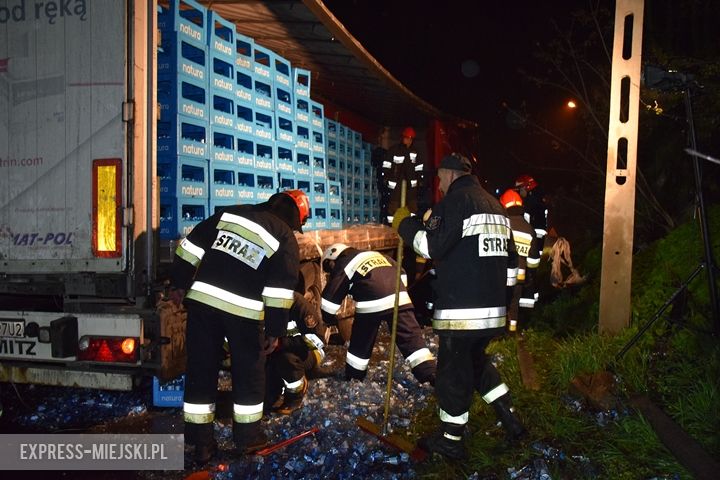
pixel 464 57
pixel 461 56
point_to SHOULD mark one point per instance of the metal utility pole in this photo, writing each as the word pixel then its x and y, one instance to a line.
pixel 615 281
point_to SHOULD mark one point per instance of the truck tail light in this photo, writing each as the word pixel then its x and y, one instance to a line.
pixel 107 201
pixel 108 349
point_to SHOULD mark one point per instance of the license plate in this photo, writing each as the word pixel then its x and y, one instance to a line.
pixel 12 328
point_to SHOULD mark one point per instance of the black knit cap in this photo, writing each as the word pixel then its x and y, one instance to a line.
pixel 455 161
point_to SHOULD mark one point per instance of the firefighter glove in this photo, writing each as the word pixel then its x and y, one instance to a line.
pixel 400 214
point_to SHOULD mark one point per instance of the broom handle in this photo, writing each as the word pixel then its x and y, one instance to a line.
pixel 396 307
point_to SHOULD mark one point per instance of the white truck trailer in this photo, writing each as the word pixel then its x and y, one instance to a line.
pixel 81 263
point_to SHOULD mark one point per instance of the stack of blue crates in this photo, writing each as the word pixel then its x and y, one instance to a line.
pixel 184 124
pixel 238 124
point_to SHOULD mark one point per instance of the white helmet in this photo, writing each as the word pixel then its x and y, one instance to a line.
pixel 334 251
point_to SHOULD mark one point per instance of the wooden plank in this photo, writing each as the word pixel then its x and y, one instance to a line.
pixel 527 368
pixel 685 448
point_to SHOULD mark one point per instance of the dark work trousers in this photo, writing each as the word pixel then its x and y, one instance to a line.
pixel 290 362
pixel 408 339
pixel 527 295
pixel 463 366
pixel 207 329
pixel 513 302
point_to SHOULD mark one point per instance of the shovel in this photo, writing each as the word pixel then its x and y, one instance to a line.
pixel 382 431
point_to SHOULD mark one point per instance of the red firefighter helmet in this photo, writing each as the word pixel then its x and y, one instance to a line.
pixel 511 198
pixel 292 206
pixel 408 132
pixel 525 181
pixel 303 203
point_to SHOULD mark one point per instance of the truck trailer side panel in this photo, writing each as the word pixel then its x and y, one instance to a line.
pixel 62 88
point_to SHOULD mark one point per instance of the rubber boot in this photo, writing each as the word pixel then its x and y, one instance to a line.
pixel 201 443
pixel 447 441
pixel 514 430
pixel 292 400
pixel 248 437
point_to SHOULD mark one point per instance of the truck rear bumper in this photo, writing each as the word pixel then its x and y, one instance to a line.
pixel 66 378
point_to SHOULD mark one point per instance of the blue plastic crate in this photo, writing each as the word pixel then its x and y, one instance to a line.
pixel 319 193
pixel 265 186
pixel 223 185
pixel 332 167
pixel 247 185
pixel 264 155
pixel 222 76
pixel 334 194
pixel 263 63
pixel 341 132
pixel 169 394
pixel 244 88
pixel 245 151
pixel 321 214
pixel 223 111
pixel 285 158
pixel 223 145
pixel 217 204
pixel 330 130
pixel 185 17
pixel 302 112
pixel 263 94
pixel 318 167
pixel 302 138
pixel 284 102
pixel 304 183
pixel 245 119
pixel 221 37
pixel 183 58
pixel 318 142
pixel 184 136
pixel 286 181
pixel 284 128
pixel 335 220
pixel 281 72
pixel 302 162
pixel 301 82
pixel 182 96
pixel 317 116
pixel 183 177
pixel 244 53
pixel 332 147
pixel 264 128
pixel 179 216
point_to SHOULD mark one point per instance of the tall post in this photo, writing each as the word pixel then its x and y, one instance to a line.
pixel 616 276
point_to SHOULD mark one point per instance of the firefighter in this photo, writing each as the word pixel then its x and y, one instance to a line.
pixel 370 277
pixel 523 236
pixel 296 359
pixel 470 241
pixel 239 268
pixel 402 162
pixel 536 214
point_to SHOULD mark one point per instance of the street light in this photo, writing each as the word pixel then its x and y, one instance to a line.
pixel 571 104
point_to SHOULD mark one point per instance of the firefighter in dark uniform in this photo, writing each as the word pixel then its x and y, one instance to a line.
pixel 236 272
pixel 469 239
pixel 536 214
pixel 402 162
pixel 369 277
pixel 297 357
pixel 523 236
